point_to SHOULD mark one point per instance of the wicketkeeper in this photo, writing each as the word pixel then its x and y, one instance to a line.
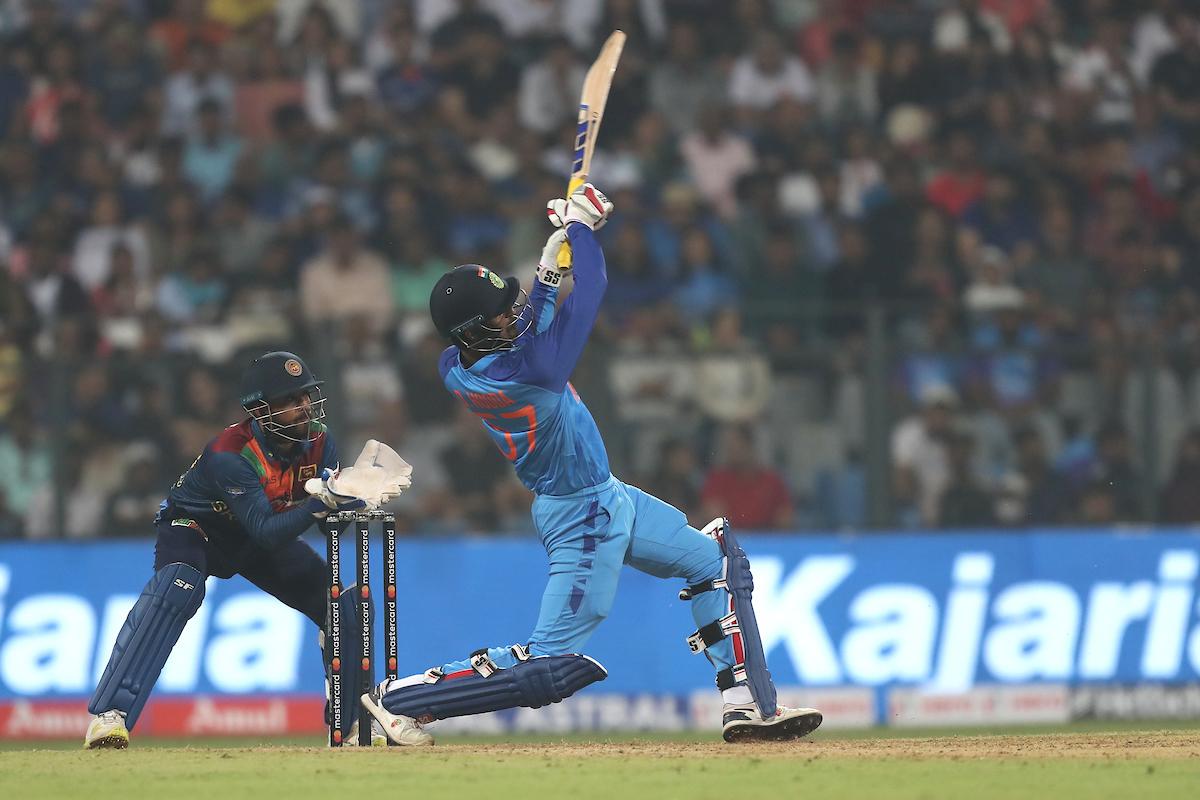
pixel 510 362
pixel 239 509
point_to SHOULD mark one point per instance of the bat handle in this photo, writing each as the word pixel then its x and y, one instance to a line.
pixel 564 256
pixel 564 252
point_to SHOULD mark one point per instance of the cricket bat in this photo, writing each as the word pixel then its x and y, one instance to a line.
pixel 591 112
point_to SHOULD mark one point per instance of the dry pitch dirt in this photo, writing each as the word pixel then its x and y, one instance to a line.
pixel 1164 745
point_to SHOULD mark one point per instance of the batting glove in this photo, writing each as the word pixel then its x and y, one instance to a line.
pixel 548 271
pixel 586 205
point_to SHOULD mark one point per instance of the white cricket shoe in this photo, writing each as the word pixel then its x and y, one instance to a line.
pixel 400 730
pixel 742 723
pixel 378 739
pixel 107 731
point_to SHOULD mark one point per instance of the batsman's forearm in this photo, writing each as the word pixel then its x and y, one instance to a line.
pixel 550 357
pixel 591 275
pixel 541 303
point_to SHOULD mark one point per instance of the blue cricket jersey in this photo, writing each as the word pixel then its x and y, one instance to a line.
pixel 524 397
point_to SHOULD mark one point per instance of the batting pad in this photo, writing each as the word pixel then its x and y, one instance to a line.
pixel 539 681
pixel 739 624
pixel 145 640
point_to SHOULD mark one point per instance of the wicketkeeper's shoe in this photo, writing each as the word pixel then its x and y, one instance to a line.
pixel 107 731
pixel 378 739
pixel 742 723
pixel 400 730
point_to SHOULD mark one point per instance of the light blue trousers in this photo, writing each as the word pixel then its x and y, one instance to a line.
pixel 588 536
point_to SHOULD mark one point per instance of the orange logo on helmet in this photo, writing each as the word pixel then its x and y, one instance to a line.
pixel 293 368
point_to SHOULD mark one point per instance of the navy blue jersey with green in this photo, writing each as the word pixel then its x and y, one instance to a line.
pixel 241 491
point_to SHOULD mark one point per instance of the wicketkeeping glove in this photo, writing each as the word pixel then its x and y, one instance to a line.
pixel 586 205
pixel 324 499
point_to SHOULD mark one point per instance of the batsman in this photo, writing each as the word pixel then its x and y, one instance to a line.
pixel 239 509
pixel 510 362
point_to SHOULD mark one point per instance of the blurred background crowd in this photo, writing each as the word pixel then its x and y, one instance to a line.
pixel 875 263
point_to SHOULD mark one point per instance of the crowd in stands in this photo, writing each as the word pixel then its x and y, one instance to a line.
pixel 956 238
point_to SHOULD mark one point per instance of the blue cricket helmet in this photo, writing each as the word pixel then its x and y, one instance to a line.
pixel 276 376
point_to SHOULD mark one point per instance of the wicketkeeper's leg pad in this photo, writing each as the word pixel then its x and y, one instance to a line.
pixel 534 681
pixel 145 641
pixel 739 624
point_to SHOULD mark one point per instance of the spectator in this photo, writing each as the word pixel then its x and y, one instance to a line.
pixel 1047 495
pixel 81 516
pixel 24 451
pixel 953 27
pixel 55 293
pixel 768 74
pixel 920 457
pixel 11 525
pixel 92 261
pixel 242 234
pixel 186 26
pixel 1101 76
pixel 122 74
pixel 733 379
pixel 1114 469
pixel 477 473
pixel 632 282
pixel 783 291
pixel 197 294
pixel 961 183
pixel 676 478
pixel 1057 273
pixel 346 281
pixel 653 383
pixel 134 504
pixel 188 88
pixel 549 93
pixel 703 285
pixel 416 270
pixel 488 77
pixel 684 82
pixel 964 503
pixel 716 157
pixel 203 403
pixel 1000 219
pixel 1180 502
pixel 931 364
pixel 742 488
pixel 1171 74
pixel 845 86
pixel 1097 504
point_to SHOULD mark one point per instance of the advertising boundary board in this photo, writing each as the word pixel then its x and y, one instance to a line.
pixel 990 625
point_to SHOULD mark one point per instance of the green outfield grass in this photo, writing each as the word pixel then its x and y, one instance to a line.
pixel 1099 760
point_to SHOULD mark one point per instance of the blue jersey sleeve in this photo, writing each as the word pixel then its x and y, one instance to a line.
pixel 329 455
pixel 548 358
pixel 238 484
pixel 542 301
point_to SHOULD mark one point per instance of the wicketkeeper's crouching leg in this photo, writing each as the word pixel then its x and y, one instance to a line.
pixel 525 681
pixel 143 644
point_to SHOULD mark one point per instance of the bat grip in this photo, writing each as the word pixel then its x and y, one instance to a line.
pixel 564 257
pixel 564 252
